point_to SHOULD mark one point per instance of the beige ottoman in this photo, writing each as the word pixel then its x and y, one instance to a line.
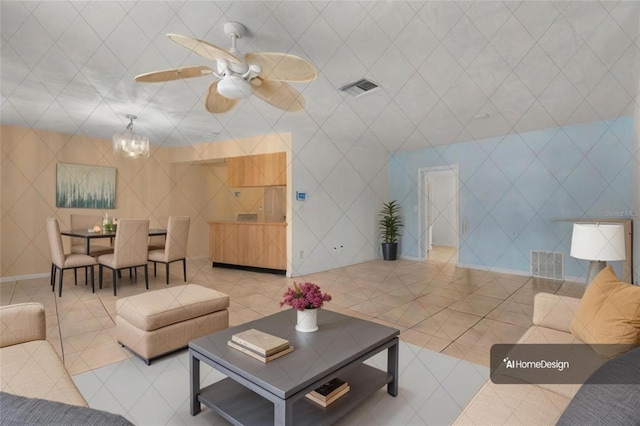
pixel 158 322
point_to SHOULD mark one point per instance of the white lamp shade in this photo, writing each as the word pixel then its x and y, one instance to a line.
pixel 598 241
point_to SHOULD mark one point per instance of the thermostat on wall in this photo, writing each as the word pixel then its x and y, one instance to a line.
pixel 301 196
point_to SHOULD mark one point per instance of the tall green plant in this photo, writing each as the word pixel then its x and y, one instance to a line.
pixel 390 222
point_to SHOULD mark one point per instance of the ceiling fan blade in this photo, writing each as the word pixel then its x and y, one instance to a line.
pixel 174 74
pixel 279 94
pixel 282 67
pixel 215 102
pixel 203 48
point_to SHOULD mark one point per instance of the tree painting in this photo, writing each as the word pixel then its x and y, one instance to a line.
pixel 88 187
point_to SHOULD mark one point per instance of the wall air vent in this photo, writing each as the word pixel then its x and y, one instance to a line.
pixel 360 87
pixel 547 264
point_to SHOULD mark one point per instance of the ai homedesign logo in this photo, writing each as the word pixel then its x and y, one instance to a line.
pixel 536 365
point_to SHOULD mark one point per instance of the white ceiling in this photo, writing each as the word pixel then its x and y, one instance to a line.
pixel 449 71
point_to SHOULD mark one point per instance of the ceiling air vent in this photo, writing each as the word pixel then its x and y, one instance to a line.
pixel 360 87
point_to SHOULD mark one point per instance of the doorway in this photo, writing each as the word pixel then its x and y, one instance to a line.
pixel 439 213
pixel 275 204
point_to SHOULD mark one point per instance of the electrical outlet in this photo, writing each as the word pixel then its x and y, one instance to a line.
pixel 301 254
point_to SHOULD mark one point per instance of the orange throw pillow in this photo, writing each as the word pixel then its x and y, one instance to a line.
pixel 609 312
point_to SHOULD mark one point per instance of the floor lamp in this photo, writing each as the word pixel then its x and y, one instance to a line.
pixel 599 243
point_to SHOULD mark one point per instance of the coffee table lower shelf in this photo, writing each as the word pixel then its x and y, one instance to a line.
pixel 241 406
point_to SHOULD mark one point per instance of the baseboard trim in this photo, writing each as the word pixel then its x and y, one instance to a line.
pixel 413 258
pixel 47 274
pixel 249 268
pixel 24 277
pixel 280 272
pixel 492 269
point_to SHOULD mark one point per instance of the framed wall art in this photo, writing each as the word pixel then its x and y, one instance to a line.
pixel 85 187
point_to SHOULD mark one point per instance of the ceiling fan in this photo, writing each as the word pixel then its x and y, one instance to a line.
pixel 263 74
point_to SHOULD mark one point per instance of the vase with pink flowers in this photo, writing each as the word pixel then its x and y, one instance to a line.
pixel 306 298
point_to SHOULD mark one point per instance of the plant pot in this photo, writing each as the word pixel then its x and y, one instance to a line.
pixel 389 251
pixel 307 321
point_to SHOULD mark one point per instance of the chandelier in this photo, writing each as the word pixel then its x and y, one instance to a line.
pixel 130 145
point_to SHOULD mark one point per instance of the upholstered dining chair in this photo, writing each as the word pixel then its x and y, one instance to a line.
pixel 176 245
pixel 84 222
pixel 157 242
pixel 129 250
pixel 61 261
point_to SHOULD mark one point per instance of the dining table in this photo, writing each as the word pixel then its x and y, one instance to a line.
pixel 90 234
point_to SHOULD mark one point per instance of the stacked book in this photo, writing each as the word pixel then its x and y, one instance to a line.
pixel 329 392
pixel 260 345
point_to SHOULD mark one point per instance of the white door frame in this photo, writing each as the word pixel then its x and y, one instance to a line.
pixel 423 234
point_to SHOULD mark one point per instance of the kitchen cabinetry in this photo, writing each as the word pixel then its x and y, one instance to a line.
pixel 253 244
pixel 257 170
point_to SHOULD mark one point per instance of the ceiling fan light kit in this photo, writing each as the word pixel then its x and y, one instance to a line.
pixel 234 87
pixel 130 145
pixel 264 74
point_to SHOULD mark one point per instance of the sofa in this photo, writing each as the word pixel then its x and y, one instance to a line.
pixel 35 387
pixel 607 318
pixel 500 404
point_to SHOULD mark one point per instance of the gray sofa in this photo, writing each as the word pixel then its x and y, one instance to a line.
pixel 19 410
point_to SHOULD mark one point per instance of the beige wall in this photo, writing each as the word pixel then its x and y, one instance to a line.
pixel 170 182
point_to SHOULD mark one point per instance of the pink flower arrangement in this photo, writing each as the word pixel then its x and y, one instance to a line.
pixel 305 296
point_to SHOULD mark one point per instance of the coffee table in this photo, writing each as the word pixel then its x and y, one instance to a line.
pixel 255 393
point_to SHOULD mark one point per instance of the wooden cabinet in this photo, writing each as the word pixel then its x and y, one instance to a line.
pixel 257 170
pixel 255 244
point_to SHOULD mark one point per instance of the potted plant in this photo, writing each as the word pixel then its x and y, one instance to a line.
pixel 306 298
pixel 389 224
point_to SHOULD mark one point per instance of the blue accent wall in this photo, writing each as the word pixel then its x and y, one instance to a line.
pixel 513 188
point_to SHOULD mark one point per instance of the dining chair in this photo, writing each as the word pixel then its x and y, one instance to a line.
pixel 129 251
pixel 61 261
pixel 84 222
pixel 176 245
pixel 157 242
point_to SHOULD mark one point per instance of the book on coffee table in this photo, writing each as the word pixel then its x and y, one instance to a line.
pixel 329 389
pixel 258 356
pixel 262 343
pixel 327 402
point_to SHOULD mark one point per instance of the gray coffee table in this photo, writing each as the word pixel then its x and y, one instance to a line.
pixel 255 393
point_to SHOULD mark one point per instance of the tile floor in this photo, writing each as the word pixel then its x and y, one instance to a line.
pixel 454 311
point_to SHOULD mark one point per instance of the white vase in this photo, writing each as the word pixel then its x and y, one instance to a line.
pixel 307 321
